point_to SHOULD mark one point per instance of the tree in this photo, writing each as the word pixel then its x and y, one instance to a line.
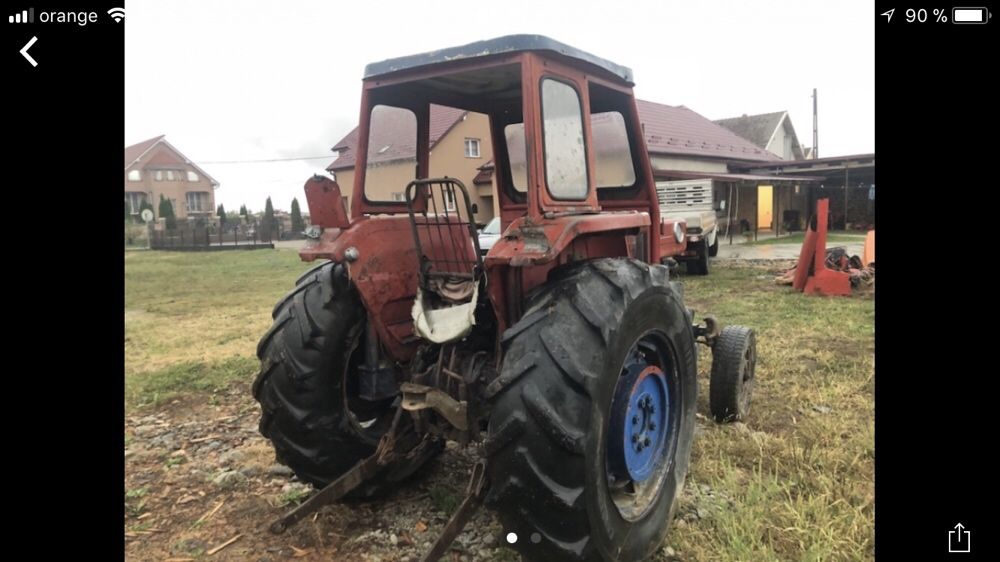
pixel 167 212
pixel 298 225
pixel 267 225
pixel 243 211
pixel 221 213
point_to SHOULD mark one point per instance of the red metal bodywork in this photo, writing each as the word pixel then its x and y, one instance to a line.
pixel 540 231
pixel 811 274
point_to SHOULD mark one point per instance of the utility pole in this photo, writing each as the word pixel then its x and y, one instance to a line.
pixel 815 150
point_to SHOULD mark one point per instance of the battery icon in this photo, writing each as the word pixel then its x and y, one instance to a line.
pixel 970 15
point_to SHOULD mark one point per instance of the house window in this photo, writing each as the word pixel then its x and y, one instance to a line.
pixel 472 148
pixel 449 200
pixel 135 200
pixel 170 175
pixel 134 175
pixel 197 202
pixel 158 175
pixel 192 176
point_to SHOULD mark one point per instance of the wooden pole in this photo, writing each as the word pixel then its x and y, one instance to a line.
pixel 776 217
pixel 846 182
pixel 729 213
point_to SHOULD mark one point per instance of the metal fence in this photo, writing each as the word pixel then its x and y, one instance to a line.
pixel 207 238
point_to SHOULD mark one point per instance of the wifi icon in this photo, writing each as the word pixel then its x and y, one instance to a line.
pixel 117 14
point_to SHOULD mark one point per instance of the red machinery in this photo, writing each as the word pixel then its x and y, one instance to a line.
pixel 811 274
pixel 567 349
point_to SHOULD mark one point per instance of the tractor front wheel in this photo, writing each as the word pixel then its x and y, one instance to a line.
pixel 589 443
pixel 734 360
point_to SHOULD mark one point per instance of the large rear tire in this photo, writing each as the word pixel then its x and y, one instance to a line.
pixel 556 479
pixel 308 396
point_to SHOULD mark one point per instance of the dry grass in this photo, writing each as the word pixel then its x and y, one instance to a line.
pixel 796 482
pixel 195 318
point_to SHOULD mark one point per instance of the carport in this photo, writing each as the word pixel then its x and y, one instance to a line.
pixel 848 181
pixel 756 202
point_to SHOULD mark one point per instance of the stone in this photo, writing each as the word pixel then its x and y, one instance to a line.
pixel 228 479
pixel 279 470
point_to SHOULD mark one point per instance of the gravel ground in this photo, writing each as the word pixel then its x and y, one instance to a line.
pixel 201 483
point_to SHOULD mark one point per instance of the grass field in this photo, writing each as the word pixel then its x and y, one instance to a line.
pixel 796 482
pixel 798 237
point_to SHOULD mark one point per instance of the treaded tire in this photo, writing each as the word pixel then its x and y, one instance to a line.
pixel 304 384
pixel 713 250
pixel 548 429
pixel 699 264
pixel 734 358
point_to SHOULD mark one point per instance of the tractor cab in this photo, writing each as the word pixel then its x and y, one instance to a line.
pixel 572 175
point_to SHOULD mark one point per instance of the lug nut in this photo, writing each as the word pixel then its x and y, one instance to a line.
pixel 646 442
pixel 635 438
pixel 635 420
pixel 638 447
pixel 652 425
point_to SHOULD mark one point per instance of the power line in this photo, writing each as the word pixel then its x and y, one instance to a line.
pixel 327 157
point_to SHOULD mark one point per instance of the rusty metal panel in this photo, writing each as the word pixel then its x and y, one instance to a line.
pixel 326 203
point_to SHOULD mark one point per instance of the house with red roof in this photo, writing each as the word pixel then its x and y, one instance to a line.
pixel 154 167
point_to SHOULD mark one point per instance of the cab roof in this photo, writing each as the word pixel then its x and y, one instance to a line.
pixel 499 45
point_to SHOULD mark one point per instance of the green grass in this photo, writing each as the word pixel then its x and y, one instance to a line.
pixel 792 483
pixel 192 320
pixel 800 482
pixel 445 498
pixel 798 237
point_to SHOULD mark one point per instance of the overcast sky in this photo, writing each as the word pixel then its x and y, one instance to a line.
pixel 250 80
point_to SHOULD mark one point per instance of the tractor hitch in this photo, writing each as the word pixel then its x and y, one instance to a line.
pixel 393 444
pixel 709 333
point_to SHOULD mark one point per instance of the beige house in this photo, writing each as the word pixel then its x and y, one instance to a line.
pixel 459 142
pixel 154 167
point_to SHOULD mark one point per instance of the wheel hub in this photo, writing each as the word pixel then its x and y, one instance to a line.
pixel 639 430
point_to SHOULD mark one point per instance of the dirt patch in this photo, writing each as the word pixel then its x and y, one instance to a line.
pixel 198 475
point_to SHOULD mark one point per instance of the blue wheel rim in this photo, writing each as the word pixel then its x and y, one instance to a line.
pixel 646 430
pixel 642 426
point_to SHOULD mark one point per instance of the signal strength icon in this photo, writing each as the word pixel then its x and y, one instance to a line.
pixel 26 16
pixel 117 14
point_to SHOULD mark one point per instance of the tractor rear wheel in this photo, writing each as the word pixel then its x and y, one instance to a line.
pixel 590 440
pixel 307 392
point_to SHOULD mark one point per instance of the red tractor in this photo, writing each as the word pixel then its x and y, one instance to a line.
pixel 566 350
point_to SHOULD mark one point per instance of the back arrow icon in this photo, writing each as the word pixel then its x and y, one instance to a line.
pixel 24 51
